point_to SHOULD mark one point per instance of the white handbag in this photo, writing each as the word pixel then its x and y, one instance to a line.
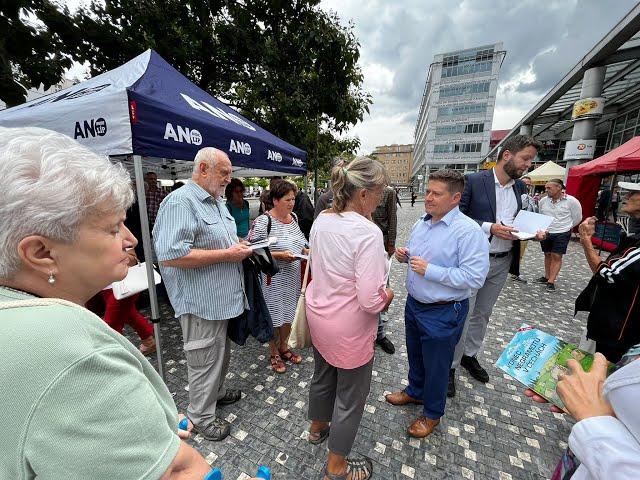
pixel 135 282
pixel 300 336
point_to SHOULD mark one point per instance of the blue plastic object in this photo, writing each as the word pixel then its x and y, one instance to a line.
pixel 214 474
pixel 184 424
pixel 264 473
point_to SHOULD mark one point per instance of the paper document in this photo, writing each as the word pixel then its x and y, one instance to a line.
pixel 390 262
pixel 529 223
pixel 301 256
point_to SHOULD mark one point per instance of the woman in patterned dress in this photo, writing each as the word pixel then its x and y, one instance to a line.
pixel 281 292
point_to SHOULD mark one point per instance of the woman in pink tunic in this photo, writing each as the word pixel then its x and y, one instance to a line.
pixel 349 270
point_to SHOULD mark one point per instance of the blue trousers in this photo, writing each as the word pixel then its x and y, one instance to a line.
pixel 432 332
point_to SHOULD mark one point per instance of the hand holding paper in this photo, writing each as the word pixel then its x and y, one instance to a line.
pixel 528 224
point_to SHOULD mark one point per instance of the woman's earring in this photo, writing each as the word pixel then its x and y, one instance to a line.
pixel 52 278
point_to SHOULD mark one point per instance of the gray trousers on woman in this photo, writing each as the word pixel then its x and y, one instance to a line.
pixel 338 396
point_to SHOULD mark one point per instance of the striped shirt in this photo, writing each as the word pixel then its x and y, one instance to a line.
pixel 191 218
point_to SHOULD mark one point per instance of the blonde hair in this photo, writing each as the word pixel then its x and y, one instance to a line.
pixel 347 179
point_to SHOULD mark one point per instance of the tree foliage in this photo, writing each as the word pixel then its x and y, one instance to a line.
pixel 287 65
pixel 33 46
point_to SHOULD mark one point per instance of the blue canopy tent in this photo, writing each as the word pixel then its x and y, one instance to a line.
pixel 146 108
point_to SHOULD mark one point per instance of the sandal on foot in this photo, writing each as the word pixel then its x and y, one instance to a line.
pixel 316 438
pixel 355 467
pixel 289 356
pixel 277 365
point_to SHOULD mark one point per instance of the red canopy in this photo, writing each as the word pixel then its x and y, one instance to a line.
pixel 584 180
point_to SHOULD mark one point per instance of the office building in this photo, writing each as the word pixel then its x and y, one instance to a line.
pixel 453 129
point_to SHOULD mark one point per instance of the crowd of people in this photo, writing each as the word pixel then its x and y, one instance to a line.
pixel 64 240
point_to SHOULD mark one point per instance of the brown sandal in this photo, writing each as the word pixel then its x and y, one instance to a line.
pixel 277 365
pixel 289 356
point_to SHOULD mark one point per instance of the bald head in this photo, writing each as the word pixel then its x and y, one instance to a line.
pixel 212 170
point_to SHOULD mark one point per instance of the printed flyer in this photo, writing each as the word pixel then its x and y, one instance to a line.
pixel 536 358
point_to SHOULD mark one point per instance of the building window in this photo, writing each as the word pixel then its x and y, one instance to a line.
pixel 624 128
pixel 466 69
pixel 458 147
pixel 460 129
pixel 465 89
pixel 462 109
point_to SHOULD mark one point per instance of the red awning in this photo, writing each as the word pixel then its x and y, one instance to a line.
pixel 584 180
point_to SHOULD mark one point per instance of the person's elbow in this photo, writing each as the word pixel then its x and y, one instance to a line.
pixel 371 302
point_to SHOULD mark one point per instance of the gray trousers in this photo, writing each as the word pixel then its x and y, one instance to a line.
pixel 481 305
pixel 381 323
pixel 206 347
pixel 338 396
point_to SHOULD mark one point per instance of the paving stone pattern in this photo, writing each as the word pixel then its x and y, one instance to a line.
pixel 489 431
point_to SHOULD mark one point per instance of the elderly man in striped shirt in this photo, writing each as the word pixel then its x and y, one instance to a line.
pixel 201 262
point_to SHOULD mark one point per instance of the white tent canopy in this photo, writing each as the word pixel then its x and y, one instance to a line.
pixel 546 172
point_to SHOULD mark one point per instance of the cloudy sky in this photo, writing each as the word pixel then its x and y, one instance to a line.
pixel 543 40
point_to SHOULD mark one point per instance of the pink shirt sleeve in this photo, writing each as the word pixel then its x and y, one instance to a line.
pixel 370 274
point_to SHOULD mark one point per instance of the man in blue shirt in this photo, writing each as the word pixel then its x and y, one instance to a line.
pixel 448 257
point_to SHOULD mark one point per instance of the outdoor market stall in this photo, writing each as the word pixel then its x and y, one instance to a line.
pixel 545 172
pixel 584 180
pixel 146 108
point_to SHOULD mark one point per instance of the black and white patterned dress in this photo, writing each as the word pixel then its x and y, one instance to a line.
pixel 281 292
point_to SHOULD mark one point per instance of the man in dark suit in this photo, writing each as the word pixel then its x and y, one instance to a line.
pixel 493 198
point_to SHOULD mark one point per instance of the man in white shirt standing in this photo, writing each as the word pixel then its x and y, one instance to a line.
pixel 567 213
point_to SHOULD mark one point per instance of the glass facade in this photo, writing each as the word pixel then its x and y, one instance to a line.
pixel 464 89
pixel 460 129
pixel 466 69
pixel 462 109
pixel 457 147
pixel 624 128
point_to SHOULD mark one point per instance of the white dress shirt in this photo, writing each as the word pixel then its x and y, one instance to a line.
pixel 609 447
pixel 506 210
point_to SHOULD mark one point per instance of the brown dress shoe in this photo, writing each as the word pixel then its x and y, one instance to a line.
pixel 401 398
pixel 422 427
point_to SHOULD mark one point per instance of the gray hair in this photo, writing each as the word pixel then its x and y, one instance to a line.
pixel 346 180
pixel 51 184
pixel 208 155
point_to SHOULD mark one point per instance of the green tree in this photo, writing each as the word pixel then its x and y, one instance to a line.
pixel 34 40
pixel 287 65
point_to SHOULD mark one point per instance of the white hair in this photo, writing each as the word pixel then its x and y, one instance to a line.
pixel 51 184
pixel 208 155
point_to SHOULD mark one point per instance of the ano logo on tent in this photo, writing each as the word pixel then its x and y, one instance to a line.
pixel 240 147
pixel 274 156
pixel 182 134
pixel 90 128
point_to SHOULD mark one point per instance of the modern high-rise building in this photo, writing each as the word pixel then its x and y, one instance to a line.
pixel 397 160
pixel 454 122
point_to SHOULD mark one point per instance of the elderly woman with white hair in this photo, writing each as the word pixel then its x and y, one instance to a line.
pixel 79 400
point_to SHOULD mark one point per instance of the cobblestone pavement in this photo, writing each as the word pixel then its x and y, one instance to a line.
pixel 489 431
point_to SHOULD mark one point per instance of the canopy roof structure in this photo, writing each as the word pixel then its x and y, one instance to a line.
pixel 546 172
pixel 146 107
pixel 619 50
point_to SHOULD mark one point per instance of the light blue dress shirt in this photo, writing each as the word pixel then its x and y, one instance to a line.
pixel 191 218
pixel 457 254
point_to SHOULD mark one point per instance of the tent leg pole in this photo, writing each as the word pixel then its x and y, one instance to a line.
pixel 148 255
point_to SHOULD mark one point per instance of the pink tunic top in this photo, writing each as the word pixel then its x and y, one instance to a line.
pixel 349 269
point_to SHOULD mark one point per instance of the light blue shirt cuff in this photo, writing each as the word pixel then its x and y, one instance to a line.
pixel 435 273
pixel 486 228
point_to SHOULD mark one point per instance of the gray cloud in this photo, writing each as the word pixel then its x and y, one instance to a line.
pixel 399 39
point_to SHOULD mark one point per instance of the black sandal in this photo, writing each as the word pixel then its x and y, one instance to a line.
pixel 321 436
pixel 355 467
